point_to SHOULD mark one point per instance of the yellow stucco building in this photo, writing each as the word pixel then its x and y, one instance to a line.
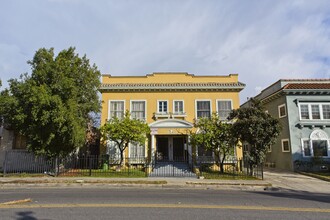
pixel 169 102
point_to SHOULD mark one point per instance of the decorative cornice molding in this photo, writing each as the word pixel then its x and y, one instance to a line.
pixel 172 86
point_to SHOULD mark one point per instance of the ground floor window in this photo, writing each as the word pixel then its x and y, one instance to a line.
pixel 317 145
pixel 136 151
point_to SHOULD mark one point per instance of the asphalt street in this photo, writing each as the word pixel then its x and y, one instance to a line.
pixel 137 203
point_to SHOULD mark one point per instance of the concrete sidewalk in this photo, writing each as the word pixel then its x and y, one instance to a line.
pixel 274 180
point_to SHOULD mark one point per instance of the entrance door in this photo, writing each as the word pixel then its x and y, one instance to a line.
pixel 162 148
pixel 178 148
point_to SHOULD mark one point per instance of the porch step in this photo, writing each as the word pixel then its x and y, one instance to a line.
pixel 172 169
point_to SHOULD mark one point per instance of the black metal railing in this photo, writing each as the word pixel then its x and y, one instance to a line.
pixel 76 165
pixel 209 167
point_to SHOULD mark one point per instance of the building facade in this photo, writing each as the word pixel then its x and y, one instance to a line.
pixel 169 103
pixel 303 109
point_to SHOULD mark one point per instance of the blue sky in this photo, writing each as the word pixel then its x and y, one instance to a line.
pixel 263 41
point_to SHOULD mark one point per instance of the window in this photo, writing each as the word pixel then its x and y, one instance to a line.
pixel 285 145
pixel 136 151
pixel 203 109
pixel 314 111
pixel 281 111
pixel 116 109
pixel 162 107
pixel 224 108
pixel 317 145
pixel 178 107
pixel 320 148
pixel 326 111
pixel 113 151
pixel 304 113
pixel 306 148
pixel 138 109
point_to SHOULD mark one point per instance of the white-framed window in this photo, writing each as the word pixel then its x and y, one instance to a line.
pixel 285 145
pixel 317 145
pixel 203 109
pixel 113 151
pixel 178 106
pixel 162 107
pixel 314 111
pixel 116 108
pixel 224 107
pixel 281 111
pixel 136 151
pixel 138 109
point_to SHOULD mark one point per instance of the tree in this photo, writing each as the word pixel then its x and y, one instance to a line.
pixel 256 127
pixel 125 130
pixel 50 107
pixel 215 135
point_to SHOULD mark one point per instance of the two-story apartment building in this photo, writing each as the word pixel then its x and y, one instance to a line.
pixel 169 102
pixel 303 109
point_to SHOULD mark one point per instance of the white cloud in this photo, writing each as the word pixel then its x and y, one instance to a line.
pixel 262 41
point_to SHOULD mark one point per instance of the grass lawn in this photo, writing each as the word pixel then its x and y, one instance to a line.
pixel 320 175
pixel 105 173
pixel 227 176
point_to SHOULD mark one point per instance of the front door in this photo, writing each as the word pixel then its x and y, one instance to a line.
pixel 162 148
pixel 170 148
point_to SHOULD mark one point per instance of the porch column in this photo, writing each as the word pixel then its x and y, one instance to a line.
pixel 153 148
pixel 189 150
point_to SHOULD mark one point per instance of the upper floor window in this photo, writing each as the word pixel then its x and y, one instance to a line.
pixel 203 109
pixel 116 109
pixel 162 107
pixel 224 108
pixel 281 111
pixel 317 111
pixel 178 107
pixel 138 109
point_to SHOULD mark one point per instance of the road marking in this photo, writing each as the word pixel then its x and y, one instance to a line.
pixel 14 202
pixel 176 206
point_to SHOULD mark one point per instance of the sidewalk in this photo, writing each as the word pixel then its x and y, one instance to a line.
pixel 165 182
pixel 274 180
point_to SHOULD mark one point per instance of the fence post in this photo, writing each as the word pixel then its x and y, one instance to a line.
pixel 90 166
pixel 5 165
pixel 56 166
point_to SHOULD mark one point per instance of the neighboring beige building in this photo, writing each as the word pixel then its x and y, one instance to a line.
pixel 169 102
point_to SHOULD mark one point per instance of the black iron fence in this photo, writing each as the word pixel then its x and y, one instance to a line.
pixel 208 167
pixel 75 165
pixel 21 161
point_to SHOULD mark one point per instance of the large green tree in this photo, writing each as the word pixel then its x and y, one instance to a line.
pixel 50 107
pixel 214 135
pixel 125 130
pixel 256 127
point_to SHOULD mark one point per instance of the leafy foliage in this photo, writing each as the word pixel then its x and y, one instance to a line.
pixel 215 135
pixel 51 106
pixel 256 127
pixel 125 130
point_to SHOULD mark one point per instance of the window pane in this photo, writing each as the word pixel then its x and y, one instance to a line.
pixel 178 106
pixel 162 106
pixel 203 109
pixel 304 112
pixel 117 109
pixel 326 111
pixel 320 148
pixel 315 112
pixel 307 149
pixel 224 109
pixel 285 145
pixel 136 151
pixel 138 110
pixel 282 111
